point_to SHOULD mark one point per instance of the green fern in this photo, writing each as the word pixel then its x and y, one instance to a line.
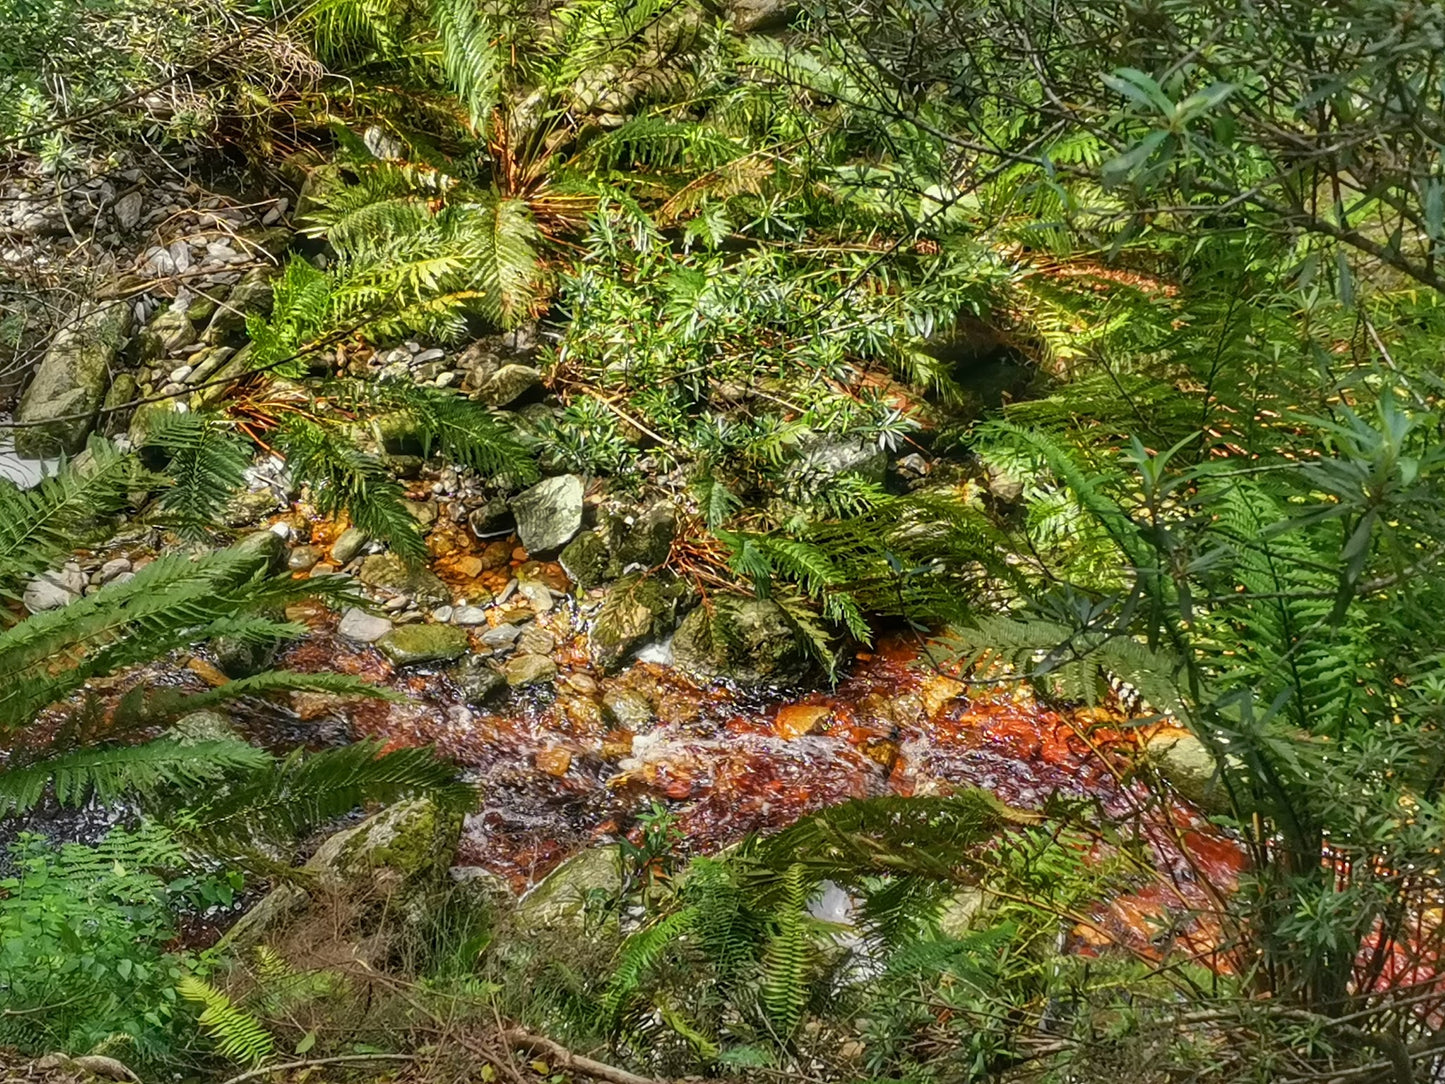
pixel 238 1035
pixel 38 525
pixel 789 955
pixel 468 58
pixel 206 465
pixel 106 774
pixel 344 479
pixel 304 791
pixel 172 602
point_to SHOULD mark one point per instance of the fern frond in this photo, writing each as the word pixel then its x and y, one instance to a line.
pixel 789 955
pixel 172 602
pixel 468 58
pixel 37 525
pixel 108 773
pixel 207 464
pixel 238 1035
pixel 465 431
pixel 307 790
pixel 342 478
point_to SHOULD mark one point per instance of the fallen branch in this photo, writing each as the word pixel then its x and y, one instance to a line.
pixel 307 1063
pixel 562 1058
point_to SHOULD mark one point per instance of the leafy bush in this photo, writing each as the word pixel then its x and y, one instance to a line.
pixel 83 933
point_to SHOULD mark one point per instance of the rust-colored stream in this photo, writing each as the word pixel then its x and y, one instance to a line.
pixel 557 775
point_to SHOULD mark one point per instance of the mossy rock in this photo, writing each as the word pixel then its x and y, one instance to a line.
pixel 407 847
pixel 585 560
pixel 389 571
pixel 414 839
pixel 748 641
pixel 407 645
pixel 638 608
pixel 561 897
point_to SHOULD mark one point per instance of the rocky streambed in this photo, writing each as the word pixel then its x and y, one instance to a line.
pixel 554 643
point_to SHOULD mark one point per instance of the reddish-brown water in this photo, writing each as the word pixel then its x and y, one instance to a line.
pixel 557 775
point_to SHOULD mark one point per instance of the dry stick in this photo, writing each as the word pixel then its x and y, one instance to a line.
pixel 307 1063
pixel 562 1058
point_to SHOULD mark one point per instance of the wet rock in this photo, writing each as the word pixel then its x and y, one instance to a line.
pixel 646 542
pixel 347 545
pixel 522 670
pixel 508 384
pixel 538 596
pixel 638 608
pixel 628 709
pixel 504 635
pixel 250 507
pixel 357 624
pixel 585 559
pixel 407 645
pixel 561 897
pixel 554 761
pixel 303 558
pixel 424 512
pixel 549 514
pixel 744 640
pixel 387 570
pixel 492 519
pixel 63 399
pixel 238 658
pixel 470 615
pixel 830 458
pixel 200 726
pixel 261 549
pixel 442 614
pixel 536 640
pixel 478 680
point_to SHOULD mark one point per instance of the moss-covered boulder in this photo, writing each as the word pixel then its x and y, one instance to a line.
pixel 585 560
pixel 407 847
pixel 413 840
pixel 638 609
pixel 408 645
pixel 60 405
pixel 748 641
pixel 561 897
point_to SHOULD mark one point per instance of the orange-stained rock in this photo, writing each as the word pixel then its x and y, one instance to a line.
pixel 496 555
pixel 208 673
pixel 795 720
pixel 470 566
pixel 938 691
pixel 617 744
pixel 554 761
pixel 519 553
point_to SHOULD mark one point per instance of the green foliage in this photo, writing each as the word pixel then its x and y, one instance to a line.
pixel 37 525
pixel 289 797
pixel 344 479
pixel 237 1034
pixel 106 774
pixel 173 602
pixel 206 464
pixel 82 930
